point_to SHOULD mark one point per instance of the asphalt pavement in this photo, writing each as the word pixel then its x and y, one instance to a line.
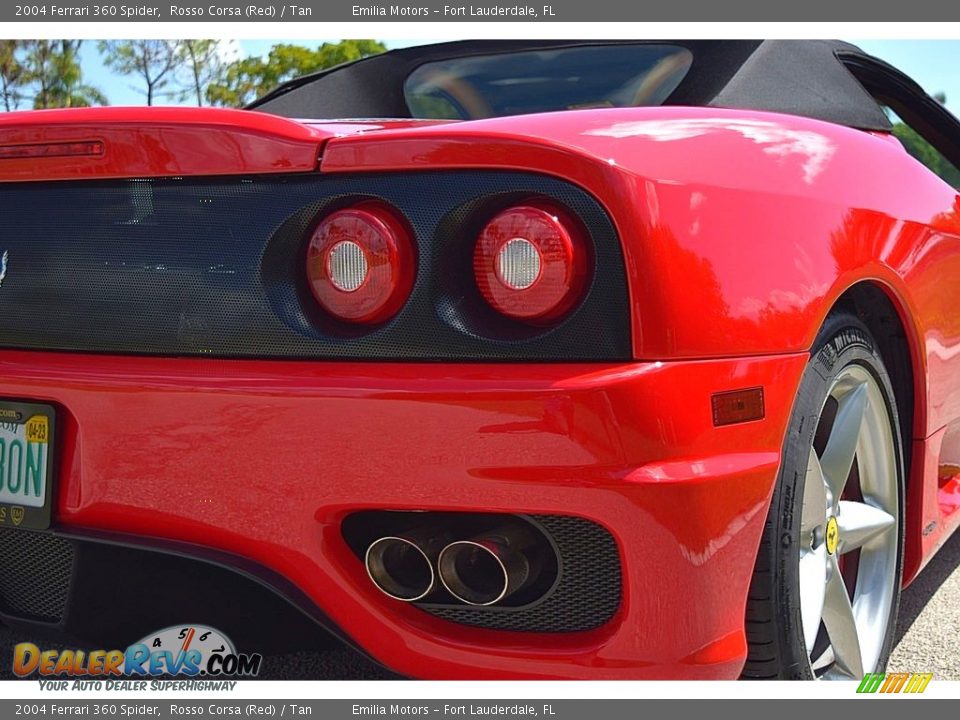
pixel 928 631
pixel 928 636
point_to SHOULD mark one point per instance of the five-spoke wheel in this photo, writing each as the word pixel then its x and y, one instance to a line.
pixel 826 585
pixel 848 529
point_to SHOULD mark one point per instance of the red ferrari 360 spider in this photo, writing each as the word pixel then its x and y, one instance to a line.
pixel 581 360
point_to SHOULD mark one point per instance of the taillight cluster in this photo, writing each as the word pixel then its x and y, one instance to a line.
pixel 361 263
pixel 530 263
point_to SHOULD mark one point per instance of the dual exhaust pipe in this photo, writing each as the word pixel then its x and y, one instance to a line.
pixel 482 570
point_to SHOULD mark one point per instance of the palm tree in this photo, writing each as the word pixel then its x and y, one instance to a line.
pixel 11 74
pixel 53 67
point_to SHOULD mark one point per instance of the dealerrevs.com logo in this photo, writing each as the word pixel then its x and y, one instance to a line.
pixel 191 651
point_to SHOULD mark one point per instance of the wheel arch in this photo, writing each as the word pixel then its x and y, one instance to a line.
pixel 889 320
pixel 876 307
pixel 886 313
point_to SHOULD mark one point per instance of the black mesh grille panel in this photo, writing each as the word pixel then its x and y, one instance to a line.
pixel 586 596
pixel 35 572
pixel 216 268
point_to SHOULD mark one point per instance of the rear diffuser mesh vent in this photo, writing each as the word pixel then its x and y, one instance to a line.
pixel 587 595
pixel 35 571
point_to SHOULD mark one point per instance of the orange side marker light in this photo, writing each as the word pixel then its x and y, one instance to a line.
pixel 737 406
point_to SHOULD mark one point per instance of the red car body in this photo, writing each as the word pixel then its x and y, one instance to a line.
pixel 740 231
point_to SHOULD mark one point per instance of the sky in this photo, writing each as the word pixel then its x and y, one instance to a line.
pixel 124 90
pixel 932 63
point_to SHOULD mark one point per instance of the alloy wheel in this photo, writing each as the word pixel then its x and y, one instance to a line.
pixel 849 530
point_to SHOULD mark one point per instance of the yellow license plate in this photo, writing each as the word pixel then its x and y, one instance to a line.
pixel 26 464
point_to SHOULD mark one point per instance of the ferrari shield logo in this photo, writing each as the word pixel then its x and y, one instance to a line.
pixel 16 514
pixel 833 535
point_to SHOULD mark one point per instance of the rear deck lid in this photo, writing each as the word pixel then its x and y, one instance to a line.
pixel 117 142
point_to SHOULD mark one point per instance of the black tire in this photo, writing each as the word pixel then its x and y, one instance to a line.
pixel 776 647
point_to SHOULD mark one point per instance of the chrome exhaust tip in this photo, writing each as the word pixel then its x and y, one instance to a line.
pixel 401 567
pixel 483 570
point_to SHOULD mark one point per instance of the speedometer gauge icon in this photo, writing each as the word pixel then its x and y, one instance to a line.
pixel 184 638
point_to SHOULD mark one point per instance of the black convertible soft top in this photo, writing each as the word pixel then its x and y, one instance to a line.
pixel 799 77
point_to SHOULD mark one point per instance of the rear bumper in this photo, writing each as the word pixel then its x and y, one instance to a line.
pixel 264 459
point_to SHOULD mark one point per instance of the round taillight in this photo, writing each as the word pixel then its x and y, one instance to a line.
pixel 531 263
pixel 360 263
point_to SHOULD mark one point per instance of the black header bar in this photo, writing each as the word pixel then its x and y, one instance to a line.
pixel 579 11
